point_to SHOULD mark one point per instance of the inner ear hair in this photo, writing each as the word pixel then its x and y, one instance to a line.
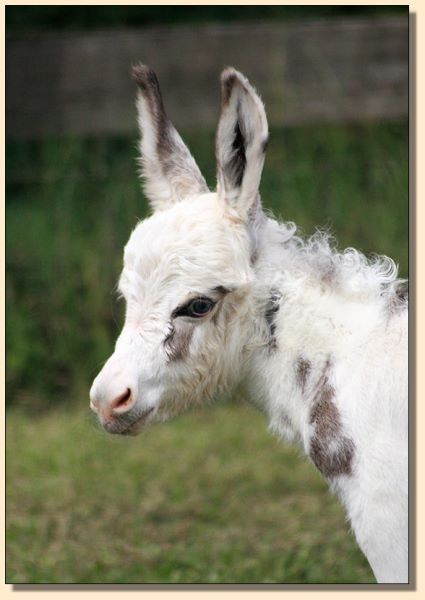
pixel 241 141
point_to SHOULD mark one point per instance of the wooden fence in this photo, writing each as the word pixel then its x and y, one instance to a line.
pixel 328 70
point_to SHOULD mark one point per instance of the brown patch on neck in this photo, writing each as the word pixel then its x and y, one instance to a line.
pixel 331 451
pixel 303 368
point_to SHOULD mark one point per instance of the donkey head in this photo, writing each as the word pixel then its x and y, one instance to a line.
pixel 188 267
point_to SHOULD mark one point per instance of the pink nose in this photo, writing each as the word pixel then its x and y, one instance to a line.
pixel 119 405
pixel 123 403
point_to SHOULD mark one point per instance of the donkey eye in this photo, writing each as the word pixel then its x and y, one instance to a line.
pixel 200 307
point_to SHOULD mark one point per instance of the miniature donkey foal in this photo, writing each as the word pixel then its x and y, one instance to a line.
pixel 218 293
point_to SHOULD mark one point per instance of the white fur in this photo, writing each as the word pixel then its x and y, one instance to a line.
pixel 333 308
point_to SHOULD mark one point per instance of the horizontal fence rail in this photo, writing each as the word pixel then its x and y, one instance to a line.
pixel 310 71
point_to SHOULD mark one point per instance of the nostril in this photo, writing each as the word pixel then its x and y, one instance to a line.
pixel 123 403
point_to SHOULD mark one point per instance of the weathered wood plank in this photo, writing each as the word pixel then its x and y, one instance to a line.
pixel 306 71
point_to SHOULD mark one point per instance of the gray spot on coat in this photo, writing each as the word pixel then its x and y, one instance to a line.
pixel 272 309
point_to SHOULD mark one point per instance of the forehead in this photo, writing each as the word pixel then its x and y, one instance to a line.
pixel 191 240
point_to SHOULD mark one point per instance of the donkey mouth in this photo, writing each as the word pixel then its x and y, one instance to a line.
pixel 128 429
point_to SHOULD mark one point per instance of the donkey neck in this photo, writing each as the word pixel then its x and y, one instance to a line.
pixel 303 325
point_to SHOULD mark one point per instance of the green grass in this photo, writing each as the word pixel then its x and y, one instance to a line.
pixel 208 498
pixel 211 497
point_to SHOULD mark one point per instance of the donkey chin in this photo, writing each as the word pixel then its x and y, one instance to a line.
pixel 129 426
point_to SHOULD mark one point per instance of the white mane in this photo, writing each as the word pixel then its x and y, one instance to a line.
pixel 316 258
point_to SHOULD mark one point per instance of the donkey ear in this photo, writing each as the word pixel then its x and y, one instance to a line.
pixel 241 142
pixel 169 171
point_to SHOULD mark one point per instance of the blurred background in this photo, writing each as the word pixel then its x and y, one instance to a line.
pixel 210 497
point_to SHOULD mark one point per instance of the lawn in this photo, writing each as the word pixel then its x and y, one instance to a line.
pixel 210 497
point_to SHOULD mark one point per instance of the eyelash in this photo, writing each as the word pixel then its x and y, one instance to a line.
pixel 188 310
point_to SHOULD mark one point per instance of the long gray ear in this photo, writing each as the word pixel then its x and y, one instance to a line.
pixel 241 142
pixel 169 171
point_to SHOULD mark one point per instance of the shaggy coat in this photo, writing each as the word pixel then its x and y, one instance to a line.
pixel 218 293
